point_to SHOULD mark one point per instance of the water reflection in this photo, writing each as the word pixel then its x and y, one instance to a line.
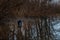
pixel 57 33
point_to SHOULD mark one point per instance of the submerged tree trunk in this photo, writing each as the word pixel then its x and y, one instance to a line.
pixel 35 29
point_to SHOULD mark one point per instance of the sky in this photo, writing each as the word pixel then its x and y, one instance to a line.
pixel 55 2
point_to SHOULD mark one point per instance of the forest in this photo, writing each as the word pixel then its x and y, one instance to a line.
pixel 29 19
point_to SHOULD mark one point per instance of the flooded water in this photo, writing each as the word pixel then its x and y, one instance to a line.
pixel 57 31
